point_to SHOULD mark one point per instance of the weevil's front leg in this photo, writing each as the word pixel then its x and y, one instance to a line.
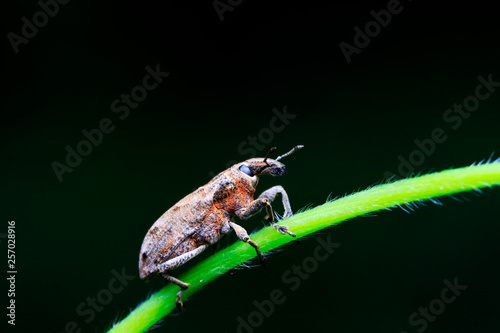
pixel 265 199
pixel 175 262
pixel 271 193
pixel 243 235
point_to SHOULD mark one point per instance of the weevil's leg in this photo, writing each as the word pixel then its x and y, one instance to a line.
pixel 265 199
pixel 243 235
pixel 182 285
pixel 175 262
pixel 271 193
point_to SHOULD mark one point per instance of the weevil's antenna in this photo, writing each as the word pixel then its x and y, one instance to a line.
pixel 294 149
pixel 269 153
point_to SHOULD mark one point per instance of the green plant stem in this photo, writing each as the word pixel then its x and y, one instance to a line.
pixel 371 200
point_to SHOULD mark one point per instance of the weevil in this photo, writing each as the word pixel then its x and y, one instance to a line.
pixel 202 217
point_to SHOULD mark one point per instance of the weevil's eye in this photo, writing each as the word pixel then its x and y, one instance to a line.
pixel 246 170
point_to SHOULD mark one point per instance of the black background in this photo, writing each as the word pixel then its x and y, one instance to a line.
pixel 225 79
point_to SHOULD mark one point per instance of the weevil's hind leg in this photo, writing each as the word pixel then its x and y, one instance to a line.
pixel 243 235
pixel 182 285
pixel 175 262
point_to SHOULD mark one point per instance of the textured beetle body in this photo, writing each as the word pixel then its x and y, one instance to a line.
pixel 202 217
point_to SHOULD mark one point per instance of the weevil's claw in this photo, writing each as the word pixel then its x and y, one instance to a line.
pixel 178 298
pixel 262 259
pixel 178 301
pixel 283 229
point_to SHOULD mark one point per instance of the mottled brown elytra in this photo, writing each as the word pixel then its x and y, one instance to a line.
pixel 202 217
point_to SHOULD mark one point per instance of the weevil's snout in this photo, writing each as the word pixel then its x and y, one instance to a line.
pixel 274 169
pixel 270 167
pixel 267 166
pixel 277 171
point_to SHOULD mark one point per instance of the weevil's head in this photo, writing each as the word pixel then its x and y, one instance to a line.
pixel 255 167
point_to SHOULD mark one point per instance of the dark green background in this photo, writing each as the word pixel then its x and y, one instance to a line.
pixel 226 77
